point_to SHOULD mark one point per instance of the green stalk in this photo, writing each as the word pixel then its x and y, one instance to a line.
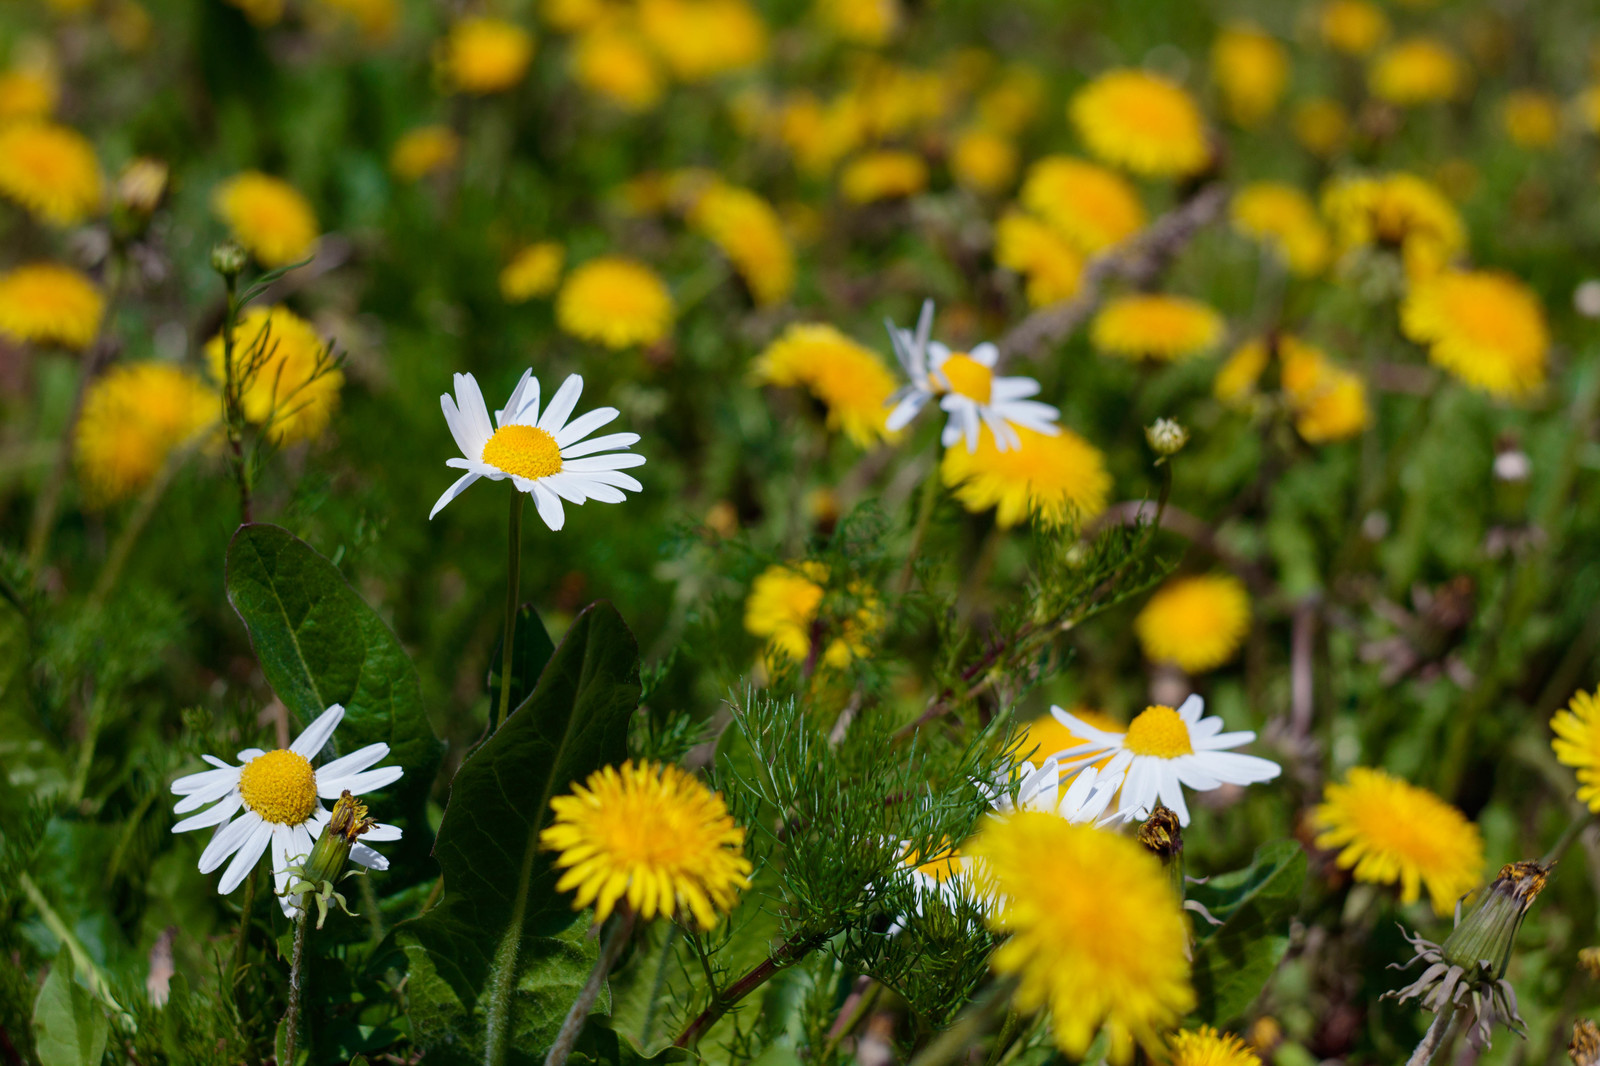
pixel 243 939
pixel 117 558
pixel 925 507
pixel 572 1027
pixel 513 583
pixel 297 981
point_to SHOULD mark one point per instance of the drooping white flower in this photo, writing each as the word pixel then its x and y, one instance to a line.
pixel 272 799
pixel 967 387
pixel 1163 752
pixel 545 456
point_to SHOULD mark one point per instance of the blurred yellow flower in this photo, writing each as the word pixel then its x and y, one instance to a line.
pixel 424 150
pixel 483 55
pixel 883 175
pixel 1052 265
pixel 1419 70
pixel 1056 480
pixel 869 22
pixel 376 19
pixel 850 380
pixel 1353 27
pixel 751 235
pixel 612 60
pixel 576 16
pixel 1392 831
pixel 1251 68
pixel 1577 744
pixel 1321 125
pixel 1587 106
pixel 1283 218
pixel 1235 384
pixel 260 12
pixel 1141 122
pixel 532 272
pixel 28 92
pixel 819 136
pixel 133 416
pixel 1398 211
pixel 47 303
pixel 699 39
pixel 1329 403
pixel 982 160
pixel 286 384
pixel 142 185
pixel 51 170
pixel 1155 326
pixel 268 216
pixel 1197 622
pixel 1532 119
pixel 1092 206
pixel 783 606
pixel 615 301
pixel 1207 1047
pixel 1013 102
pixel 1093 929
pixel 1486 328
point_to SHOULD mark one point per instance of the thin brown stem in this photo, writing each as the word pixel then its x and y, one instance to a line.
pixel 572 1027
pixel 790 952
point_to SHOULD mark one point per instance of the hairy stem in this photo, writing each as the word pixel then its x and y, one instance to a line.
pixel 297 981
pixel 792 951
pixel 513 584
pixel 1434 1037
pixel 573 1025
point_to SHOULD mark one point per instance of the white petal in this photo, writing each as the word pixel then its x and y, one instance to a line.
pixel 1004 389
pixel 1222 740
pixel 245 859
pixel 1239 769
pixel 549 505
pixel 1140 786
pixel 584 425
pixel 368 858
pixel 513 406
pixel 213 792
pixel 606 443
pixel 1193 773
pixel 615 478
pixel 381 833
pixel 1192 708
pixel 462 484
pixel 282 854
pixel 360 784
pixel 203 780
pixel 474 413
pixel 310 742
pixel 611 461
pixel 1079 728
pixel 561 405
pixel 906 410
pixel 214 816
pixel 985 354
pixel 227 840
pixel 453 418
pixel 527 412
pixel 353 763
pixel 1172 793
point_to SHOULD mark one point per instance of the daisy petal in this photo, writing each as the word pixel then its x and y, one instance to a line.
pixel 462 484
pixel 585 424
pixel 353 763
pixel 215 816
pixel 561 405
pixel 368 858
pixel 549 505
pixel 609 442
pixel 310 742
pixel 227 840
pixel 245 859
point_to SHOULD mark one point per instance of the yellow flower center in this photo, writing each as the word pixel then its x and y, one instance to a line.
pixel 1160 732
pixel 280 786
pixel 526 451
pixel 968 377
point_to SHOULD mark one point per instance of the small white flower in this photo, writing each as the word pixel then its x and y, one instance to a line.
pixel 967 387
pixel 1163 751
pixel 276 795
pixel 546 457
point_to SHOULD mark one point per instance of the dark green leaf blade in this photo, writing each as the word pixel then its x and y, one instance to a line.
pixel 1234 961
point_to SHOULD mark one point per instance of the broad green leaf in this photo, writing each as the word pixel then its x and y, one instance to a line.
pixel 499 888
pixel 533 648
pixel 1233 961
pixel 69 1026
pixel 319 644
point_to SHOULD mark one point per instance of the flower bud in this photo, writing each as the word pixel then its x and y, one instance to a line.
pixel 1485 937
pixel 1166 437
pixel 332 848
pixel 228 258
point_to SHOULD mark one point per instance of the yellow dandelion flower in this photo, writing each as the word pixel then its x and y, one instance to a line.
pixel 783 606
pixel 1486 328
pixel 819 136
pixel 1056 480
pixel 1154 326
pixel 1096 932
pixel 51 170
pixel 883 175
pixel 869 22
pixel 532 272
pixel 1251 68
pixel 28 92
pixel 576 16
pixel 485 55
pixel 1321 125
pixel 1353 27
pixel 1141 122
pixel 1587 107
pixel 50 304
pixel 1013 102
pixel 847 378
pixel 1577 744
pixel 982 160
pixel 376 19
pixel 1420 70
pixel 1392 831
pixel 133 417
pixel 1283 217
pixel 751 235
pixel 1532 119
pixel 612 60
pixel 1092 206
pixel 1195 622
pixel 616 302
pixel 268 216
pixel 1038 251
pixel 424 150
pixel 699 39
pixel 651 836
pixel 1398 211
pixel 280 364
pixel 1235 383
pixel 1329 402
pixel 1207 1047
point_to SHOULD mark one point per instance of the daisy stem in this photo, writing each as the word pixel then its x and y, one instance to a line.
pixel 1434 1037
pixel 513 584
pixel 243 939
pixel 620 931
pixel 297 980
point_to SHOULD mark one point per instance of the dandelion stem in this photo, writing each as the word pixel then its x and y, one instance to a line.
pixel 297 981
pixel 573 1026
pixel 1434 1037
pixel 117 558
pixel 513 583
pixel 1579 823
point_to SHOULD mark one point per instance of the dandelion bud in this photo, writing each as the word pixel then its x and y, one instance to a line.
pixel 142 185
pixel 1166 437
pixel 1584 1050
pixel 228 258
pixel 1161 834
pixel 331 850
pixel 1589 960
pixel 1485 937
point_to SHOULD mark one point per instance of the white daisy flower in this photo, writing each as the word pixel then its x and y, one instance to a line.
pixel 1163 751
pixel 276 796
pixel 967 387
pixel 546 457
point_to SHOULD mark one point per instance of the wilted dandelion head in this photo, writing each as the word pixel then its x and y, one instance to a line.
pixel 51 171
pixel 46 303
pixel 532 272
pixel 1196 622
pixel 1251 68
pixel 133 417
pixel 1486 328
pixel 482 55
pixel 615 301
pixel 1092 206
pixel 1095 931
pixel 1419 70
pixel 1056 480
pixel 1577 744
pixel 1392 832
pixel 1155 326
pixel 268 216
pixel 279 362
pixel 1283 218
pixel 1141 122
pixel 424 150
pixel 847 378
pixel 651 836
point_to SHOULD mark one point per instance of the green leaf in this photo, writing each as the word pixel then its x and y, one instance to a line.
pixel 320 644
pixel 532 650
pixel 1233 961
pixel 69 1027
pixel 500 908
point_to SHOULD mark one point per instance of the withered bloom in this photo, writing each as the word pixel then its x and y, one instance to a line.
pixel 1584 1050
